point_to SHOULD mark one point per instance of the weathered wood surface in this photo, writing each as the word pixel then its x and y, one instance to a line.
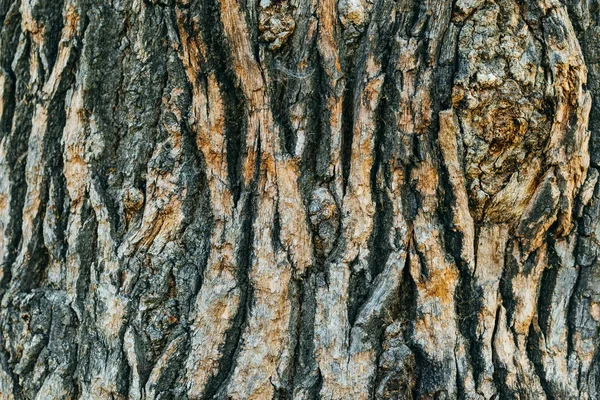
pixel 299 199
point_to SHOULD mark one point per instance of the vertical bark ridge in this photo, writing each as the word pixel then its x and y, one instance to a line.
pixel 345 347
pixel 333 97
pixel 257 377
pixel 12 146
pixel 219 299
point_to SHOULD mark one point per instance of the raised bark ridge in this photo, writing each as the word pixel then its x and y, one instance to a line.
pixel 337 199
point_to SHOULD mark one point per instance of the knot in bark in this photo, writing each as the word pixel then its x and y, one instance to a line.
pixel 324 218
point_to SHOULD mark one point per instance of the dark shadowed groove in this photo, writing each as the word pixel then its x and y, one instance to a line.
pixel 296 290
pixel 588 38
pixel 196 208
pixel 547 287
pixel 378 41
pixel 104 78
pixel 348 106
pixel 9 101
pixel 5 6
pixel 318 148
pixel 468 298
pixel 275 234
pixel 56 123
pixel 5 365
pixel 58 182
pixel 595 369
pixel 217 385
pixel 18 188
pixel 17 134
pixel 9 35
pixel 427 376
pixel 382 227
pixel 196 226
pixel 89 233
pixel 535 355
pixel 380 248
pixel 138 116
pixel 280 112
pixel 18 126
pixel 220 62
pixel 52 13
pixel 35 273
pixel 574 303
pixel 87 249
pixel 198 221
pixel 309 177
pixel 352 65
pixel 318 385
pixel 544 305
pixel 305 365
pixel 408 304
pixel 510 270
pixel 500 374
pixel 358 291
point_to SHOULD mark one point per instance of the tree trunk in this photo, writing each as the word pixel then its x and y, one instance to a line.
pixel 299 199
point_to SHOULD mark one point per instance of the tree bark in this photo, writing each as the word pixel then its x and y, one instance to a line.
pixel 299 199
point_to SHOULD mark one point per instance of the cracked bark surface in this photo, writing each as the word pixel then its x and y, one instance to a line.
pixel 286 199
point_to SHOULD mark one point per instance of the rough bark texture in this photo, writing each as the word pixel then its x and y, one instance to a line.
pixel 299 199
